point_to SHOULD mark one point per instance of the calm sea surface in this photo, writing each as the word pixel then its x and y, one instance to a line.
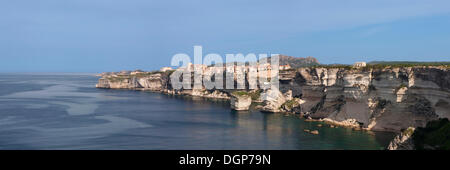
pixel 66 111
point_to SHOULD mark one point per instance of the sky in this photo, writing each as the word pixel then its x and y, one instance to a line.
pixel 104 35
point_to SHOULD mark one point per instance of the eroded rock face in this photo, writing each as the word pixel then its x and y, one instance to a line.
pixel 273 99
pixel 387 99
pixel 103 83
pixel 403 141
pixel 155 82
pixel 240 102
pixel 293 106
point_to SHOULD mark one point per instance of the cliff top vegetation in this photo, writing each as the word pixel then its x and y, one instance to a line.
pixel 386 64
pixel 240 93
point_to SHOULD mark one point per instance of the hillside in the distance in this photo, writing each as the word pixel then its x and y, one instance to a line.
pixel 297 62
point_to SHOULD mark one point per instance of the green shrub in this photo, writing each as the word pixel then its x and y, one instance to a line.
pixel 169 72
pixel 386 64
pixel 144 74
pixel 118 78
pixel 435 134
pixel 240 93
pixel 343 66
pixel 289 104
pixel 255 94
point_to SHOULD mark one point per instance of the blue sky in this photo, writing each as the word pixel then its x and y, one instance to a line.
pixel 103 35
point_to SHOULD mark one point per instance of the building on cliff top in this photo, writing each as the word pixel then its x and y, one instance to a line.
pixel 164 69
pixel 285 67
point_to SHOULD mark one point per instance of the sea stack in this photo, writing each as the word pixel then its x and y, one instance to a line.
pixel 240 101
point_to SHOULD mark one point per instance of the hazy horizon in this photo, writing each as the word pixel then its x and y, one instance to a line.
pixel 115 70
pixel 101 36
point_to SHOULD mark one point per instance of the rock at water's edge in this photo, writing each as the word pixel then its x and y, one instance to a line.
pixel 403 141
pixel 240 102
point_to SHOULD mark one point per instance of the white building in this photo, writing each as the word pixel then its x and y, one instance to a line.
pixel 164 69
pixel 285 67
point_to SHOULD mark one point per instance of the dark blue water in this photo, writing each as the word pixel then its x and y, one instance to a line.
pixel 66 111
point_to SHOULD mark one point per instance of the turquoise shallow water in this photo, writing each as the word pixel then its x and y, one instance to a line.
pixel 65 111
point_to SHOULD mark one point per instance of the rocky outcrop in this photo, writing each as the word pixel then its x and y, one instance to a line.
pixel 273 100
pixel 347 123
pixel 147 81
pixel 434 136
pixel 403 141
pixel 293 106
pixel 387 99
pixel 240 101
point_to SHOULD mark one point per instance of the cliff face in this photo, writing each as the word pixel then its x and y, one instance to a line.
pixel 154 82
pixel 159 82
pixel 387 99
pixel 240 102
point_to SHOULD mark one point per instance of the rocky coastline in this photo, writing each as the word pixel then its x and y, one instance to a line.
pixel 367 98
